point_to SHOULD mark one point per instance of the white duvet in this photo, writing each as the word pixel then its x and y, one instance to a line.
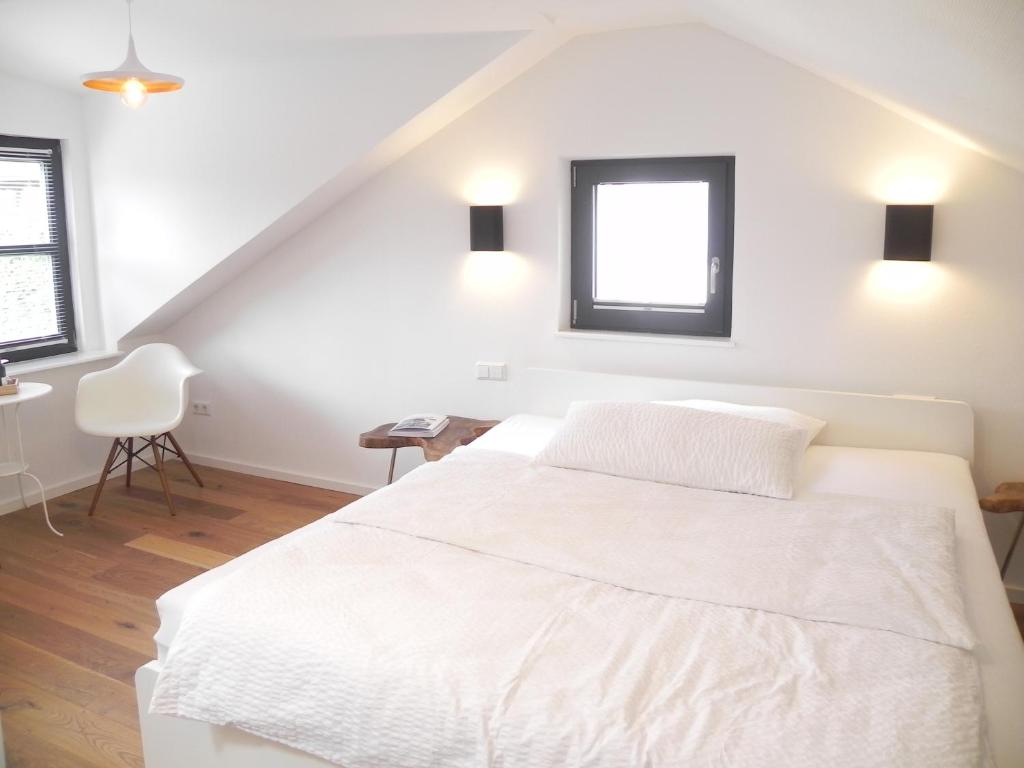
pixel 489 612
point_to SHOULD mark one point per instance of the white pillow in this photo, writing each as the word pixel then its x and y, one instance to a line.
pixel 678 445
pixel 810 425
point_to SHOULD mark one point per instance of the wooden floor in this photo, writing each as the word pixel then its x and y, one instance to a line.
pixel 77 615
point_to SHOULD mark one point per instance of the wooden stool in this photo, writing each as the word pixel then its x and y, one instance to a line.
pixel 1009 497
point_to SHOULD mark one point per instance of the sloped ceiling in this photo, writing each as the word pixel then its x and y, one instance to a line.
pixel 186 190
pixel 188 36
pixel 956 63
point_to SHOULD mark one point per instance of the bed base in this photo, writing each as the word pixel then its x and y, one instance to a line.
pixel 173 742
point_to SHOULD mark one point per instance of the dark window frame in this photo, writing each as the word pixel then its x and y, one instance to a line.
pixel 61 343
pixel 715 318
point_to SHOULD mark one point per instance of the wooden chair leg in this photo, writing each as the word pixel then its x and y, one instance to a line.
pixel 131 455
pixel 185 461
pixel 158 462
pixel 103 475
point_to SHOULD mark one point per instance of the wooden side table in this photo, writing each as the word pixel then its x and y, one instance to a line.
pixel 460 431
pixel 1008 497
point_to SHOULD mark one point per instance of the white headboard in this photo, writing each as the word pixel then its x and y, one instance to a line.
pixel 856 420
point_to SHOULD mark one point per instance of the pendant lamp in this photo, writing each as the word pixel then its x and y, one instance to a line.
pixel 132 80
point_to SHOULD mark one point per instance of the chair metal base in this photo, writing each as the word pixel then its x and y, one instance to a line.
pixel 124 449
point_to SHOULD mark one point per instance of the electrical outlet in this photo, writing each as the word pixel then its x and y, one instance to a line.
pixel 201 408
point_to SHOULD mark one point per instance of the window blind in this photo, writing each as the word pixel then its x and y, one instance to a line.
pixel 36 313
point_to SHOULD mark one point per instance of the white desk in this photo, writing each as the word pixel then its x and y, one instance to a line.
pixel 14 464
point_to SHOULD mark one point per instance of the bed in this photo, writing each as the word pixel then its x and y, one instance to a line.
pixel 904 450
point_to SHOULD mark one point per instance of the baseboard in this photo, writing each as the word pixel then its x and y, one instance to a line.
pixel 1015 594
pixel 52 491
pixel 281 474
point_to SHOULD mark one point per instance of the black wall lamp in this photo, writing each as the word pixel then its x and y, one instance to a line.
pixel 486 228
pixel 908 232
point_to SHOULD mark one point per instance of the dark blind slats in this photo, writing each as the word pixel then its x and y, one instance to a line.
pixel 37 317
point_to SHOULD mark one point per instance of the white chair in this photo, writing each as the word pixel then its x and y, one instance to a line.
pixel 144 396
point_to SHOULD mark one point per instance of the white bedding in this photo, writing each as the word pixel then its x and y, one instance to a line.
pixel 904 475
pixel 489 612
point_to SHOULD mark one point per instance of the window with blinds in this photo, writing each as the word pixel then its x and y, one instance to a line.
pixel 36 316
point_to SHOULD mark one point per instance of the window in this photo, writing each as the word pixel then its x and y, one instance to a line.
pixel 652 245
pixel 36 316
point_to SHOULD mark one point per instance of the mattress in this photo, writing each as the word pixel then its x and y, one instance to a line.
pixel 899 475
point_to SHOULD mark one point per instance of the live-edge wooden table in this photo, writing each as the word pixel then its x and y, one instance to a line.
pixel 1008 497
pixel 460 431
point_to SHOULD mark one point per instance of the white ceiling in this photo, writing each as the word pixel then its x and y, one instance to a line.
pixel 174 34
pixel 959 63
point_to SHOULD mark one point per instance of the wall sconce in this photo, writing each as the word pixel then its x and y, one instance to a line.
pixel 486 228
pixel 908 232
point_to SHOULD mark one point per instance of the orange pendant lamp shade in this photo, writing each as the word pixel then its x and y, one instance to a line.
pixel 132 79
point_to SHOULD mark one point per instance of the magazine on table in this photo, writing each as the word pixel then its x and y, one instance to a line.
pixel 420 425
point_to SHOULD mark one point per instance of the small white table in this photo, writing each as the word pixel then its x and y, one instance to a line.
pixel 14 464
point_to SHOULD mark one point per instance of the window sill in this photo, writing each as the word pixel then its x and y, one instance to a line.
pixel 59 361
pixel 648 338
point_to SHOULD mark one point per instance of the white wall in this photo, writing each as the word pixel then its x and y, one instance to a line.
pixel 31 109
pixel 191 177
pixel 377 309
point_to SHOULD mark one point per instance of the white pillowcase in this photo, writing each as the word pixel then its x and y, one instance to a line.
pixel 679 445
pixel 810 425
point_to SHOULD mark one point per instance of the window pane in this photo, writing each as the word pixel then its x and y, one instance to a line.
pixel 24 217
pixel 651 243
pixel 28 306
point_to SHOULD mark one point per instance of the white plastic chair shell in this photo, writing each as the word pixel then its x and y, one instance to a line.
pixel 145 394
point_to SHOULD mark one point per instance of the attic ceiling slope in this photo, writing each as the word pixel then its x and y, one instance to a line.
pixel 952 65
pixel 195 35
pixel 182 184
pixel 526 52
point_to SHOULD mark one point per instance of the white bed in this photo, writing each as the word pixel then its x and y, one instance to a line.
pixel 934 478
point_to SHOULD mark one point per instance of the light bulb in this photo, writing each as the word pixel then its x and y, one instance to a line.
pixel 133 93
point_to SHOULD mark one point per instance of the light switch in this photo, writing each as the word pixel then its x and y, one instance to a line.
pixel 492 371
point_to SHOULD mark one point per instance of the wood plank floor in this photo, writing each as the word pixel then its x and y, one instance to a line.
pixel 77 615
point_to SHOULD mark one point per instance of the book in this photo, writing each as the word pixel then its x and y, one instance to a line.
pixel 420 425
